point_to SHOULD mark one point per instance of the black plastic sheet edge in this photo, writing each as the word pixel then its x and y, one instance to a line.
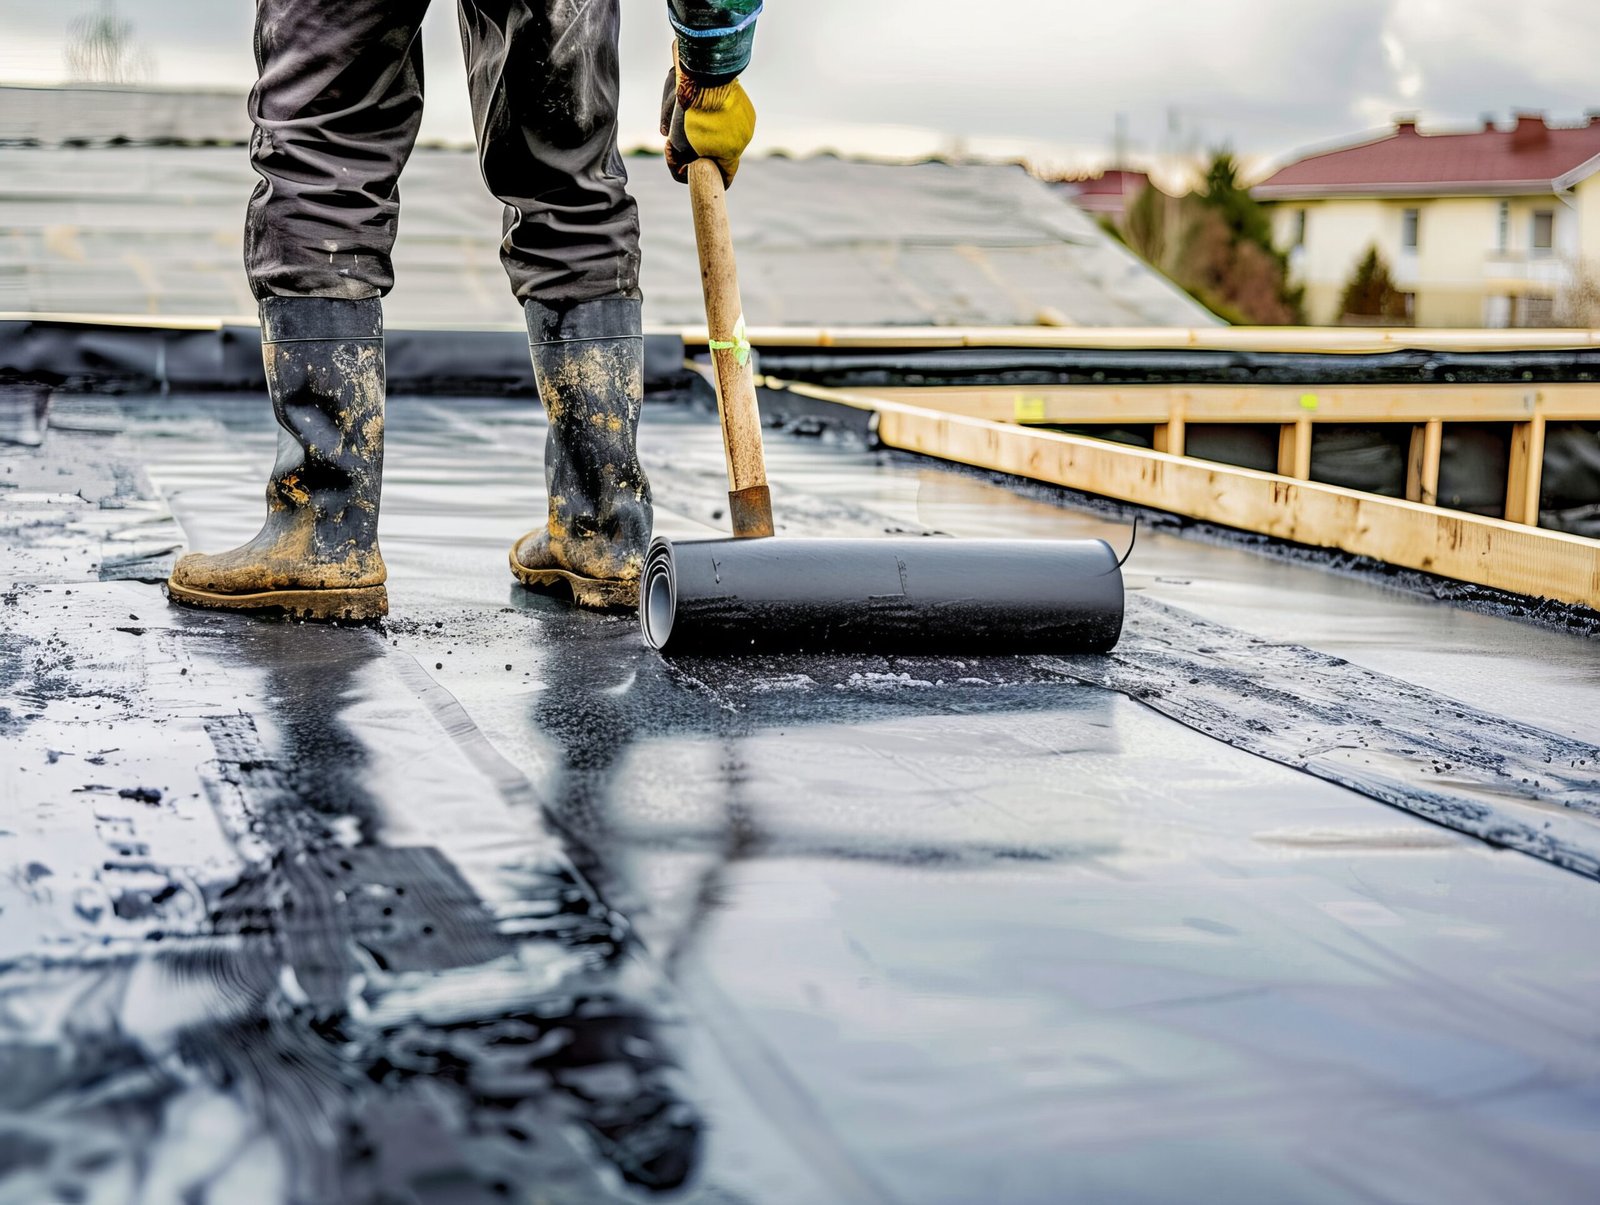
pixel 87 356
pixel 865 368
pixel 125 358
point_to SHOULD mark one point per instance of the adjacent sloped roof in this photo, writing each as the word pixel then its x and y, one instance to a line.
pixel 157 230
pixel 1529 157
pixel 131 223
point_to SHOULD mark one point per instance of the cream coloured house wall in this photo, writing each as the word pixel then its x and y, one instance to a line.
pixel 1586 208
pixel 1459 275
pixel 1337 235
pixel 1587 196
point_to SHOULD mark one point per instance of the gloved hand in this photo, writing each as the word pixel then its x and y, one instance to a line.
pixel 698 122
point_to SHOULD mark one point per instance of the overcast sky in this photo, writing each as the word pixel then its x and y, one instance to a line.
pixel 1046 76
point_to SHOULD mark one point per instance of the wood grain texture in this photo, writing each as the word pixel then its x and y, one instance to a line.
pixel 1422 464
pixel 1490 552
pixel 1526 473
pixel 735 379
pixel 1085 404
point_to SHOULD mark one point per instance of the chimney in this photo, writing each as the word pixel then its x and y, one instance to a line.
pixel 1489 126
pixel 1530 130
pixel 1405 123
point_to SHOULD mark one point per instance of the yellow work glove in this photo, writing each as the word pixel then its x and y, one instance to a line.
pixel 713 123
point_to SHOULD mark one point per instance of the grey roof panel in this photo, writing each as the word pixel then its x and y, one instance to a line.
pixel 145 229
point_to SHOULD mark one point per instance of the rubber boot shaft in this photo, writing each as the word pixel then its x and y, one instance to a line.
pixel 324 367
pixel 588 362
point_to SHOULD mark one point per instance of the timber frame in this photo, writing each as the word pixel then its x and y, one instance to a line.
pixel 1504 554
pixel 1425 409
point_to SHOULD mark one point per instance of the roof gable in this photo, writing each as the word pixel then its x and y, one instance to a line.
pixel 1529 157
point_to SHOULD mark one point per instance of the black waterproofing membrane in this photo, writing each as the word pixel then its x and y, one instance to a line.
pixel 88 356
pixel 881 594
pixel 40 354
pixel 494 902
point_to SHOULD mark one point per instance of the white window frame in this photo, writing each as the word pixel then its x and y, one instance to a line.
pixel 1535 251
pixel 1411 223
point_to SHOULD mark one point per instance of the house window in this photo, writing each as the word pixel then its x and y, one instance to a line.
pixel 1543 238
pixel 1299 229
pixel 1502 234
pixel 1410 228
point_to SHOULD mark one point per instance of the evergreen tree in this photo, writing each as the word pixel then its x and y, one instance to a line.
pixel 1370 292
pixel 1216 244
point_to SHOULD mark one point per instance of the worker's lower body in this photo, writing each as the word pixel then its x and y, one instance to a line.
pixel 336 111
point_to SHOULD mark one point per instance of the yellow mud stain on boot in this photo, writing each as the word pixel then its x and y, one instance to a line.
pixel 317 554
pixel 289 487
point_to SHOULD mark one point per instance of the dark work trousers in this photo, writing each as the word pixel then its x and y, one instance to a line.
pixel 336 110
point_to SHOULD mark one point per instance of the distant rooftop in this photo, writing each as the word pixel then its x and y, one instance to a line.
pixel 1528 156
pixel 1109 194
pixel 114 114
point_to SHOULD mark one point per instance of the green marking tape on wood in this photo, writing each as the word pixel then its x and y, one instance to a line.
pixel 739 346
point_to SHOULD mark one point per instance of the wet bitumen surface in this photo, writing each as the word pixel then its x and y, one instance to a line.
pixel 1290 898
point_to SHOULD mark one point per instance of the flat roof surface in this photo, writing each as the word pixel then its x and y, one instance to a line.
pixel 494 895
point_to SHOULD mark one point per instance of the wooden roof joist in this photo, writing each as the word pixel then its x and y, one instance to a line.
pixel 1491 552
pixel 1140 404
pixel 1311 340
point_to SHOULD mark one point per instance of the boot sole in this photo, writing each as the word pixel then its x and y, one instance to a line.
pixel 593 592
pixel 357 605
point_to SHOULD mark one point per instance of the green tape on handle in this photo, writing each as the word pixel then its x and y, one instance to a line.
pixel 740 346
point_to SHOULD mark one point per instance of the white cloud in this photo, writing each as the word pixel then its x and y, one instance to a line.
pixel 1051 72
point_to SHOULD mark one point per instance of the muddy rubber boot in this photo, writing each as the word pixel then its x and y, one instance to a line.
pixel 588 361
pixel 316 557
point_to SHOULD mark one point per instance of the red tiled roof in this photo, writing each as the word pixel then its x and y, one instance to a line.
pixel 1108 194
pixel 1526 158
pixel 1113 182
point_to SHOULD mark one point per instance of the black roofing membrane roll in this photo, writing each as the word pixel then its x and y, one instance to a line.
pixel 903 594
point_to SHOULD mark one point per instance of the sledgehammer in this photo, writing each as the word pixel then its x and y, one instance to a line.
pixel 758 592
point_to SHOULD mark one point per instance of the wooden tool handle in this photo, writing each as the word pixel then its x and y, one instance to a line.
pixel 749 501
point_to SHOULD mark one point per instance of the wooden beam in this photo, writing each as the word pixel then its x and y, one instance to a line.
pixel 1294 449
pixel 1330 340
pixel 1071 405
pixel 1422 465
pixel 1491 552
pixel 1526 471
pixel 1172 436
